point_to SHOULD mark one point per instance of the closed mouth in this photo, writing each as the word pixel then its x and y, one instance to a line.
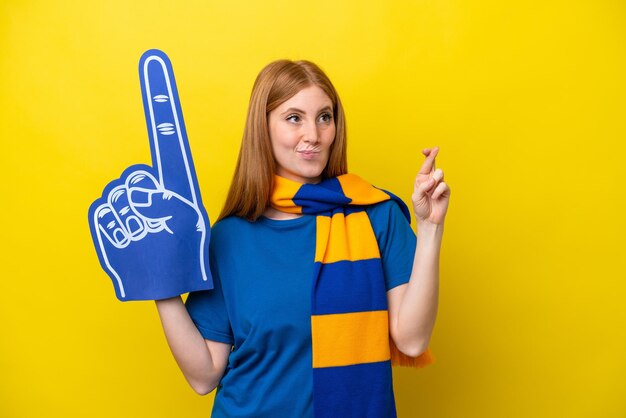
pixel 308 155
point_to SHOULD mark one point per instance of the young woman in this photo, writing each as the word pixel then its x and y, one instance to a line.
pixel 320 282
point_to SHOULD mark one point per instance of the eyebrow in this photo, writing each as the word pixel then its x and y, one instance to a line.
pixel 295 109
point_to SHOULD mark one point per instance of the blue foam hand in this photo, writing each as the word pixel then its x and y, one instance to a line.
pixel 150 229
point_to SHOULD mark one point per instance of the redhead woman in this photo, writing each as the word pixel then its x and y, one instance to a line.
pixel 320 282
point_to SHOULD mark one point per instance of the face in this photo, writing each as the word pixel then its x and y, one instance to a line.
pixel 302 129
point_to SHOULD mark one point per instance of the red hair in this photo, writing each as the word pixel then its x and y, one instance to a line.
pixel 250 189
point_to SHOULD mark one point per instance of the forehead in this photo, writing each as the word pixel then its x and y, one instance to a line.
pixel 309 98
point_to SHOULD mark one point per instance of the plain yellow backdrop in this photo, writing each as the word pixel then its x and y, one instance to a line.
pixel 525 99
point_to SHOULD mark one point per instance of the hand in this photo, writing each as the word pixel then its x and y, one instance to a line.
pixel 430 195
pixel 150 229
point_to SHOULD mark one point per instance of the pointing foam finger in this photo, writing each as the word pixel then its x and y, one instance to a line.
pixel 166 128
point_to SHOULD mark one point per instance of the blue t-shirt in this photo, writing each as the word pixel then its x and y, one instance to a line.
pixel 261 304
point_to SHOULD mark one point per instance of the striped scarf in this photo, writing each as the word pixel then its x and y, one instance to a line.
pixel 352 349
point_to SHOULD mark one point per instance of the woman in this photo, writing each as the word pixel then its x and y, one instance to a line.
pixel 319 280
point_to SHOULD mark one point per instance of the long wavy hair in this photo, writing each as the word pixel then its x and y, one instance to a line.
pixel 253 180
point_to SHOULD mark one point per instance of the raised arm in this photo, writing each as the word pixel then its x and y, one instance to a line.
pixel 202 362
pixel 413 306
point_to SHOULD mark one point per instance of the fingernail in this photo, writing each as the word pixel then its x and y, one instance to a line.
pixel 133 225
pixel 119 236
pixel 140 197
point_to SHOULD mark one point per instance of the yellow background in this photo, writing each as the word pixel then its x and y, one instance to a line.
pixel 525 99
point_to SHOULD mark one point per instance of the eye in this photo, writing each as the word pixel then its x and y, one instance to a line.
pixel 326 117
pixel 293 118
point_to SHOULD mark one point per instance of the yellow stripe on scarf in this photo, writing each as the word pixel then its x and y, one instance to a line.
pixel 282 193
pixel 361 192
pixel 336 335
pixel 345 238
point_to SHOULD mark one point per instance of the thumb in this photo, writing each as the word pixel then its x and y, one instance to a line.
pixel 421 190
pixel 156 204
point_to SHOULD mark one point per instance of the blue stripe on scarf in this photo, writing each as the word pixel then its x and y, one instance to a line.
pixel 346 391
pixel 363 277
pixel 321 197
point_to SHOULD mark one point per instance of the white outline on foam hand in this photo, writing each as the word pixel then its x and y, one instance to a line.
pixel 160 131
pixel 200 225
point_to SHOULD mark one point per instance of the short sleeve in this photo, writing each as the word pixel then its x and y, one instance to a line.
pixel 207 309
pixel 396 241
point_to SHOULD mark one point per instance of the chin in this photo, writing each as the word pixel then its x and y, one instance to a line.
pixel 303 174
pixel 318 175
pixel 309 172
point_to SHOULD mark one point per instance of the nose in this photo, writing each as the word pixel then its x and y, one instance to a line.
pixel 311 134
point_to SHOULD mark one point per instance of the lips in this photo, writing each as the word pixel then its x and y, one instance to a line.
pixel 308 154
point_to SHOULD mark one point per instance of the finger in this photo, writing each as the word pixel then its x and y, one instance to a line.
pixel 108 226
pixel 150 200
pixel 118 201
pixel 440 190
pixel 424 188
pixel 438 175
pixel 428 166
pixel 170 212
pixel 118 221
pixel 157 205
pixel 166 129
pixel 433 181
pixel 141 185
pixel 104 229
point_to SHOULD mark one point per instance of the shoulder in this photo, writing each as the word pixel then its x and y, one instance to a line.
pixel 390 222
pixel 391 206
pixel 235 224
pixel 228 224
pixel 229 230
pixel 386 211
pixel 386 206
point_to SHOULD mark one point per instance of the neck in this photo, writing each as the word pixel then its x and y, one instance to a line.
pixel 272 213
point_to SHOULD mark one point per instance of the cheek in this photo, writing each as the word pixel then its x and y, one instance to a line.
pixel 330 136
pixel 279 138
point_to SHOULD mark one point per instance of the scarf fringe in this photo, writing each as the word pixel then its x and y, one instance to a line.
pixel 402 360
